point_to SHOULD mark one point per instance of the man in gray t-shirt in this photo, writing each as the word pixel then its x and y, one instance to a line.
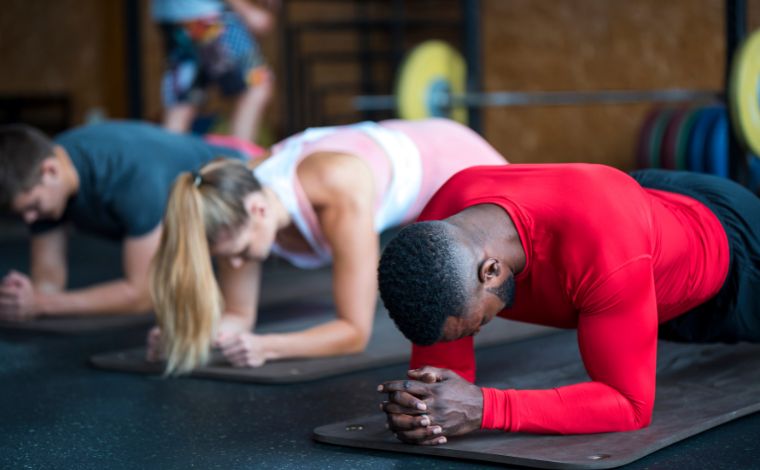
pixel 111 179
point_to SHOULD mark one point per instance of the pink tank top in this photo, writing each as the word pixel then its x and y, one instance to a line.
pixel 410 160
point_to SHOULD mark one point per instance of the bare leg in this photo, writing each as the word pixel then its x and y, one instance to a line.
pixel 259 20
pixel 179 118
pixel 249 109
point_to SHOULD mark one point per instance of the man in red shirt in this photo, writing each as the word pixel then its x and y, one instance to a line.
pixel 571 246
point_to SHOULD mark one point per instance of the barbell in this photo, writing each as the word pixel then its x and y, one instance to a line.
pixel 432 79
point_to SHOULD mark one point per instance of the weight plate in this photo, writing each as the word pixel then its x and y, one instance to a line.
pixel 669 138
pixel 682 138
pixel 699 137
pixel 642 146
pixel 743 93
pixel 754 173
pixel 716 157
pixel 430 69
pixel 656 137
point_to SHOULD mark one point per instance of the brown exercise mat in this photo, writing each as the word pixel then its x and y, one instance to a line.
pixel 387 346
pixel 280 285
pixel 698 387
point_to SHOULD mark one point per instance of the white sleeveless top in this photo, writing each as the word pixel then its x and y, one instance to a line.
pixel 278 172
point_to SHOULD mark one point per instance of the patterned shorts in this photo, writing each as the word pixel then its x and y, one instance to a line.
pixel 211 51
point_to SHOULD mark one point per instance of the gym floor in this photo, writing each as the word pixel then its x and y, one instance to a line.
pixel 58 412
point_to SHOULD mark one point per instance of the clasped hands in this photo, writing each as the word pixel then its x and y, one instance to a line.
pixel 241 349
pixel 431 406
pixel 238 345
pixel 17 302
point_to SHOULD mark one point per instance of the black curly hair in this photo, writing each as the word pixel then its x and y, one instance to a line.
pixel 423 280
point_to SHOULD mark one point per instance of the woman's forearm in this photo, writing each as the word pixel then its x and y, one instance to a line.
pixel 334 338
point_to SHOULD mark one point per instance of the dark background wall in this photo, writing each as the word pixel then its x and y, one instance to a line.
pixel 77 48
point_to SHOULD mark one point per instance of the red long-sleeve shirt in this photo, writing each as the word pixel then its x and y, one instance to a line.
pixel 603 255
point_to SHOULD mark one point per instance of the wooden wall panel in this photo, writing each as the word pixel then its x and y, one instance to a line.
pixel 63 47
pixel 592 45
pixel 76 47
pixel 152 63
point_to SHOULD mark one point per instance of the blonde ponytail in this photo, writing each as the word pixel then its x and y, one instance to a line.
pixel 185 293
pixel 186 296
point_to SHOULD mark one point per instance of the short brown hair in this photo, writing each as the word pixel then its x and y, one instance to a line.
pixel 22 149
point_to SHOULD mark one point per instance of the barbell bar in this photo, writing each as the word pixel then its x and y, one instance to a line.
pixel 432 81
pixel 443 99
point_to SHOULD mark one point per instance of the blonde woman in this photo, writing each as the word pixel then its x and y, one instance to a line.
pixel 322 197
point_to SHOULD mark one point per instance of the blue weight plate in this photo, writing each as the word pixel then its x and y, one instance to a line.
pixel 754 173
pixel 699 137
pixel 716 155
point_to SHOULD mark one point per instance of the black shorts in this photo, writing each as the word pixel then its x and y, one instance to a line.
pixel 734 313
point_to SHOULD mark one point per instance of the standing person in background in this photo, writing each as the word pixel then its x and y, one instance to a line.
pixel 212 42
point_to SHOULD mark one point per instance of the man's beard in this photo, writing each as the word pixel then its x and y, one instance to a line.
pixel 505 291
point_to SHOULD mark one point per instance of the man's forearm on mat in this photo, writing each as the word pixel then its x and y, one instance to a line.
pixel 114 297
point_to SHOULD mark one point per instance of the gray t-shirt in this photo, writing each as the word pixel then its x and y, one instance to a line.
pixel 126 170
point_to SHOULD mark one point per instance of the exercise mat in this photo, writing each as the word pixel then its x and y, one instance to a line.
pixel 387 346
pixel 281 285
pixel 74 324
pixel 698 387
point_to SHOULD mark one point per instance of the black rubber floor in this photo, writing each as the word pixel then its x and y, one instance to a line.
pixel 57 412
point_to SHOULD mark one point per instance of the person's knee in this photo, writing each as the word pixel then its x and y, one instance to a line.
pixel 261 82
pixel 179 118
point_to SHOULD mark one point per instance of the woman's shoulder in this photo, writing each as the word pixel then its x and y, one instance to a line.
pixel 325 176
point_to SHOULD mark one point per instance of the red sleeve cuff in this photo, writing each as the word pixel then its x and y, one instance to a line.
pixel 497 409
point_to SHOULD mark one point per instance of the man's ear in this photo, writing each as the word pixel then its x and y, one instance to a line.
pixel 489 271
